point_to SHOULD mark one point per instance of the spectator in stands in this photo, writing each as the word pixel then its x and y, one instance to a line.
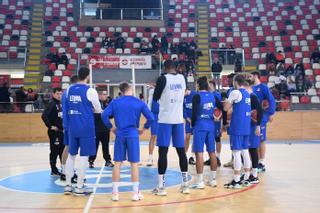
pixel 271 69
pixel 216 69
pixel 300 84
pixel 64 59
pixel 283 87
pixel 46 97
pixel 144 47
pixel 174 48
pixel 21 97
pixel 183 46
pixel 56 59
pixel 280 57
pixel 270 58
pixel 181 68
pixel 120 43
pixel 4 98
pixel 104 43
pixel 289 71
pixel 155 44
pixel 275 92
pixel 190 66
pixel 292 87
pixel 315 57
pixel 280 70
pixel 164 44
pixel 299 71
pixel 31 95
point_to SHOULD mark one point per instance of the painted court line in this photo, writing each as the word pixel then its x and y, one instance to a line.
pixel 90 200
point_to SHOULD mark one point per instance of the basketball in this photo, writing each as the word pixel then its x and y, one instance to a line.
pixel 265 104
pixel 254 116
pixel 217 114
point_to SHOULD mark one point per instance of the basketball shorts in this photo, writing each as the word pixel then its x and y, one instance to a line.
pixel 217 127
pixel 263 132
pixel 127 148
pixel 201 138
pixel 254 140
pixel 87 146
pixel 168 132
pixel 239 142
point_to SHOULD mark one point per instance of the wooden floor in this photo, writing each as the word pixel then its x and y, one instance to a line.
pixel 291 184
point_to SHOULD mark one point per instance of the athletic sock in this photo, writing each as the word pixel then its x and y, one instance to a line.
pixel 150 157
pixel 161 183
pixel 135 187
pixel 63 168
pixel 255 172
pixel 262 161
pixel 192 155
pixel 184 178
pixel 236 178
pixel 213 175
pixel 115 187
pixel 70 168
pixel 246 175
pixel 200 178
pixel 82 171
pixel 218 154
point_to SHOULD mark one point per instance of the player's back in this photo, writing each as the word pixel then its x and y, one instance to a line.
pixel 171 100
pixel 205 119
pixel 80 111
pixel 187 103
pixel 127 111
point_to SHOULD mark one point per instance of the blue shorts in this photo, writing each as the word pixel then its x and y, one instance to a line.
pixel 127 148
pixel 166 132
pixel 239 142
pixel 263 132
pixel 203 137
pixel 87 146
pixel 66 137
pixel 154 125
pixel 217 127
pixel 254 140
pixel 188 128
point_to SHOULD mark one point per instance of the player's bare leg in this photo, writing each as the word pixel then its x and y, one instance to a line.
pixel 151 149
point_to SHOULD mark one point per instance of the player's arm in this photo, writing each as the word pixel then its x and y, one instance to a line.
pixel 272 103
pixel 255 104
pixel 161 84
pixel 148 115
pixel 93 97
pixel 195 108
pixel 46 116
pixel 219 105
pixel 65 115
pixel 106 114
pixel 234 97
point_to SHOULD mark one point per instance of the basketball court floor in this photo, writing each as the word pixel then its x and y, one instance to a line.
pixel 291 184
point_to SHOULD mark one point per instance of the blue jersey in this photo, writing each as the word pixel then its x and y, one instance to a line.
pixel 64 109
pixel 187 105
pixel 205 120
pixel 155 107
pixel 241 115
pixel 264 93
pixel 229 91
pixel 217 94
pixel 126 111
pixel 79 109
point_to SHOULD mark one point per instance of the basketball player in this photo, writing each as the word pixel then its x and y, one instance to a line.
pixel 203 105
pixel 82 102
pixel 239 130
pixel 217 122
pixel 187 113
pixel 52 118
pixel 254 140
pixel 126 111
pixel 154 107
pixel 74 79
pixel 169 91
pixel 264 94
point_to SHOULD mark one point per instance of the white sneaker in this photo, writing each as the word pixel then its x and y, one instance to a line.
pixel 82 191
pixel 149 162
pixel 199 185
pixel 212 183
pixel 68 190
pixel 159 191
pixel 115 197
pixel 137 196
pixel 184 189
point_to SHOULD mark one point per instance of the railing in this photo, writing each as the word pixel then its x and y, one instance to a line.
pixel 22 107
pixel 122 13
pixel 13 55
pixel 227 56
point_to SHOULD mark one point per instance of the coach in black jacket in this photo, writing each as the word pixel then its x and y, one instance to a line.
pixel 52 117
pixel 102 134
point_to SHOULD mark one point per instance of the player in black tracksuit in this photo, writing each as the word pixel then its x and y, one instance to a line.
pixel 102 134
pixel 52 117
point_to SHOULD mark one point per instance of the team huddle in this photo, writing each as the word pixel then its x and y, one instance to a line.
pixel 174 114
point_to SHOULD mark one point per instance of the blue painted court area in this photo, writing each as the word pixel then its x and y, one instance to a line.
pixel 42 182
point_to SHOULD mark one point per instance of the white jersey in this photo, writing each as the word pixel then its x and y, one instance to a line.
pixel 171 100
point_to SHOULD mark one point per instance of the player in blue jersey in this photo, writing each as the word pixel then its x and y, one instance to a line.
pixel 203 105
pixel 154 107
pixel 239 130
pixel 254 140
pixel 126 111
pixel 169 91
pixel 187 113
pixel 269 107
pixel 82 102
pixel 74 79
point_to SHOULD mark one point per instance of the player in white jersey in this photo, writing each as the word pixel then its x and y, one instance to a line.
pixel 169 91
